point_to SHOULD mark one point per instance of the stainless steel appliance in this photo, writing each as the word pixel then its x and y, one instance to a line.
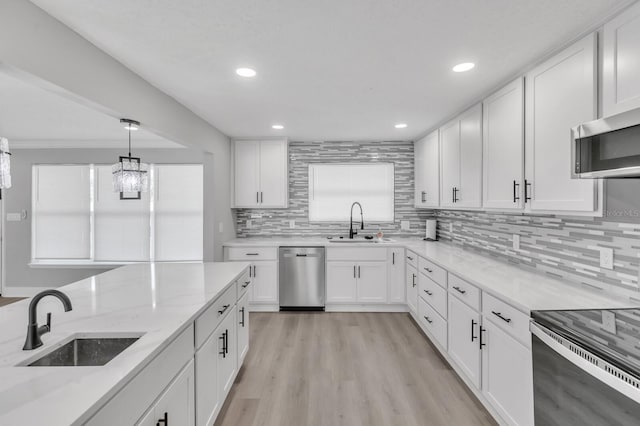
pixel 609 147
pixel 583 374
pixel 302 278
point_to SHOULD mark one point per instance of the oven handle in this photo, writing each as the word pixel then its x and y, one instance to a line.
pixel 620 385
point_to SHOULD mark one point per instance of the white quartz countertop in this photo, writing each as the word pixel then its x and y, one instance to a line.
pixel 522 287
pixel 158 301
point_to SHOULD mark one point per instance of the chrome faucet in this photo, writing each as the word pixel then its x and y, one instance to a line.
pixel 33 331
pixel 352 232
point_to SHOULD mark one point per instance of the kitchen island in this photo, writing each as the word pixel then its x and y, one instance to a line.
pixel 172 308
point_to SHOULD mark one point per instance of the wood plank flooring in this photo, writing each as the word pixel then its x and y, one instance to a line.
pixel 7 300
pixel 346 369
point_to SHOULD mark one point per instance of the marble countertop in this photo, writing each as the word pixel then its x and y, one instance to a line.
pixel 522 287
pixel 158 301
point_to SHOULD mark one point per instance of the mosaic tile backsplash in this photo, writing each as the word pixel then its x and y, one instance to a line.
pixel 562 247
pixel 275 222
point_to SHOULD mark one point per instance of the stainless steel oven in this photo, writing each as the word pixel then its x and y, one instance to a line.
pixel 607 148
pixel 575 386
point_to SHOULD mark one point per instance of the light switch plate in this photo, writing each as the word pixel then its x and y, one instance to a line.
pixel 14 217
pixel 516 242
pixel 606 258
pixel 405 225
pixel 609 321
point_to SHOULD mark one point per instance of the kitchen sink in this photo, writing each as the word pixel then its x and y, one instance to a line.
pixel 84 351
pixel 354 241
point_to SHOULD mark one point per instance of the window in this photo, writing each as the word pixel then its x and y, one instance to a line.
pixel 334 187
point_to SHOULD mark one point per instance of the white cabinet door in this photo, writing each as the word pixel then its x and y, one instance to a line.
pixel 372 282
pixel 121 226
pixel 61 226
pixel 507 375
pixel 412 288
pixel 243 328
pixel 177 404
pixel 464 344
pixel 273 174
pixel 503 148
pixel 427 171
pixel 209 400
pixel 246 169
pixel 396 276
pixel 561 93
pixel 178 212
pixel 449 162
pixel 470 190
pixel 342 282
pixel 621 63
pixel 227 356
pixel 264 283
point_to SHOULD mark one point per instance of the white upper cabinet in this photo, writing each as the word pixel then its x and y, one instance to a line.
pixel 503 148
pixel 621 63
pixel 561 93
pixel 427 171
pixel 61 226
pixel 121 226
pixel 178 212
pixel 461 160
pixel 260 170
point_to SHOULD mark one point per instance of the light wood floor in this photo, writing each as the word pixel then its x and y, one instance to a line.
pixel 7 300
pixel 346 369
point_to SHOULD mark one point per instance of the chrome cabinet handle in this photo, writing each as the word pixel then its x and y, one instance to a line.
pixel 499 315
pixel 459 290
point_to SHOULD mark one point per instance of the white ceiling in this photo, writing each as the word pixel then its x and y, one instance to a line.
pixel 32 117
pixel 327 69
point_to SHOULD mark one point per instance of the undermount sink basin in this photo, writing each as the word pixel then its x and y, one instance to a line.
pixel 362 240
pixel 85 351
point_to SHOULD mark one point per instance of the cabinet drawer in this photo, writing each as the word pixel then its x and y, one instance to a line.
pixel 506 317
pixel 243 283
pixel 433 322
pixel 412 259
pixel 210 318
pixel 357 253
pixel 433 271
pixel 251 253
pixel 435 295
pixel 464 291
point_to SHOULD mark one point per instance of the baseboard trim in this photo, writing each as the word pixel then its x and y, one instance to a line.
pixel 22 291
pixel 365 308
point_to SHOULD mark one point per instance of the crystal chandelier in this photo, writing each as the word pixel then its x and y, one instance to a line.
pixel 130 176
pixel 5 164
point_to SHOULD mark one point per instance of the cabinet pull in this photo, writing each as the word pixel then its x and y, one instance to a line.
pixel 242 320
pixel 164 420
pixel 354 271
pixel 428 292
pixel 224 345
pixel 428 270
pixel 252 254
pixel 224 308
pixel 527 185
pixel 473 324
pixel 254 271
pixel 261 197
pixel 424 196
pixel 414 279
pixel 358 271
pixel 409 257
pixel 499 315
pixel 257 197
pixel 429 320
pixel 482 344
pixel 459 290
pixel 249 271
pixel 393 258
pixel 516 187
pixel 246 284
pixel 226 341
pixel 455 194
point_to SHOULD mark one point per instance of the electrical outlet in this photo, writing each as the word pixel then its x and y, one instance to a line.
pixel 249 224
pixel 609 321
pixel 405 225
pixel 606 258
pixel 450 226
pixel 292 224
pixel 516 242
pixel 14 217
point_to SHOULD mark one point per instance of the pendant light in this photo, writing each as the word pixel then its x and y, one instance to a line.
pixel 130 176
pixel 5 164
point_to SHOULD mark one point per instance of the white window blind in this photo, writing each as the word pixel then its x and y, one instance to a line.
pixel 334 187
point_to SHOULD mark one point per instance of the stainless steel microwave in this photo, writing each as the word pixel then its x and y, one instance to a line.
pixel 607 148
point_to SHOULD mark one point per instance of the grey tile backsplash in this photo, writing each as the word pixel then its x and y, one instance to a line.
pixel 563 247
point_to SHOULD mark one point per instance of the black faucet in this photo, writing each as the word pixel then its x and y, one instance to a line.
pixel 33 331
pixel 351 230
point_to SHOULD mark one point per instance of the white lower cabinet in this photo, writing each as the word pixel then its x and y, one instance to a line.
pixel 341 282
pixel 412 288
pixel 361 282
pixel 243 328
pixel 372 282
pixel 507 375
pixel 396 276
pixel 464 343
pixel 264 276
pixel 176 405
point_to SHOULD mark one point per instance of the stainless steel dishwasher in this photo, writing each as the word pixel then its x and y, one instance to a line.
pixel 302 278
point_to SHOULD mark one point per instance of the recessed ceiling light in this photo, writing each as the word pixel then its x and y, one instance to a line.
pixel 400 126
pixel 277 126
pixel 465 66
pixel 246 72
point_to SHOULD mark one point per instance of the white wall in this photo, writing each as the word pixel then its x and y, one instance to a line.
pixel 39 49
